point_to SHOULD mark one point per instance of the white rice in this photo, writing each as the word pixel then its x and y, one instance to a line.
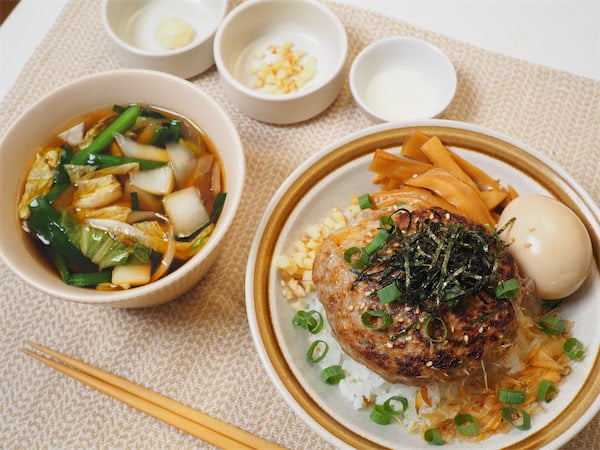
pixel 361 387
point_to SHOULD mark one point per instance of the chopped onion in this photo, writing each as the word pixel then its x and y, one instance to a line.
pixel 143 216
pixel 132 149
pixel 167 258
pixel 145 200
pixel 215 179
pixel 131 275
pixel 202 174
pixel 186 211
pixel 73 135
pixel 203 165
pixel 155 181
pixel 182 160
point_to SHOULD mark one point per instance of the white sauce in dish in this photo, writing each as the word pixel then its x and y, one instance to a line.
pixel 398 93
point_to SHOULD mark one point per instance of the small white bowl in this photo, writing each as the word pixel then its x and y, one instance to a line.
pixel 402 78
pixel 133 27
pixel 243 37
pixel 90 93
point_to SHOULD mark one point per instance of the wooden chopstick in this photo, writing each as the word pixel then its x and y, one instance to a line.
pixel 156 405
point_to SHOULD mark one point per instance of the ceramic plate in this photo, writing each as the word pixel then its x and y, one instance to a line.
pixel 328 180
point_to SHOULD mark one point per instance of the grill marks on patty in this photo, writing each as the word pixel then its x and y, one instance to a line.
pixel 479 328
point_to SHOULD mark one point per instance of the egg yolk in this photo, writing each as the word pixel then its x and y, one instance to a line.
pixel 549 243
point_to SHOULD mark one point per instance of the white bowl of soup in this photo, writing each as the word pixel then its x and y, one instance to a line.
pixel 119 188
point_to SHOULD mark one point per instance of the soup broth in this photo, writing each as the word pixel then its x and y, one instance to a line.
pixel 122 195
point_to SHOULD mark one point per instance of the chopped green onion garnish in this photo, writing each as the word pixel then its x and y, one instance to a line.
pixel 380 239
pixel 318 346
pixel 546 391
pixel 364 201
pixel 551 325
pixel 89 279
pixel 390 409
pixel 333 374
pixel 466 424
pixel 573 348
pixel 434 437
pixel 510 396
pixel 356 263
pixel 491 229
pixel 432 331
pixel 507 289
pixel 387 223
pixel 380 416
pixel 218 205
pixel 389 293
pixel 135 202
pixel 307 320
pixel 384 320
pixel 517 417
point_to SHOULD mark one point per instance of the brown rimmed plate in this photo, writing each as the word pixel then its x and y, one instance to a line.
pixel 327 181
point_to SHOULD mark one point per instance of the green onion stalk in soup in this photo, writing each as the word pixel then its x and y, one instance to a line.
pixel 122 196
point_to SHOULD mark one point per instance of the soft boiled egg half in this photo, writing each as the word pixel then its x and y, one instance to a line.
pixel 549 242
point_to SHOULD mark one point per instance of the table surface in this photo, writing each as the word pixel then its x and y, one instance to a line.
pixel 562 34
pixel 160 347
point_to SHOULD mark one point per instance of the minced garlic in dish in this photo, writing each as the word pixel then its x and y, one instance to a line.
pixel 282 69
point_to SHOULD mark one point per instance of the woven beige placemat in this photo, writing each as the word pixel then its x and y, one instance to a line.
pixel 198 349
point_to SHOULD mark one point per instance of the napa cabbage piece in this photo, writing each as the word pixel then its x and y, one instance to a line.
pixel 97 192
pixel 39 179
pixel 76 171
pixel 116 212
pixel 100 247
pixel 130 233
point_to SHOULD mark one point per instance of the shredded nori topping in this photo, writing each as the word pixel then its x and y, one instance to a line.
pixel 434 262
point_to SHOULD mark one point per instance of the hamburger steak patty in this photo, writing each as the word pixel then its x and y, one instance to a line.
pixel 427 341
